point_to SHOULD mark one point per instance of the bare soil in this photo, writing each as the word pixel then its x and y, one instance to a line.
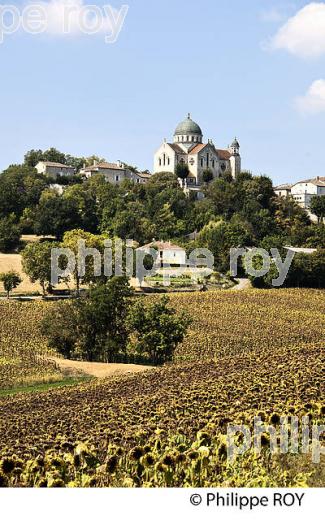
pixel 99 370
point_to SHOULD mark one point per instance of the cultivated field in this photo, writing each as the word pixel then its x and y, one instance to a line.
pixel 13 263
pixel 247 354
pixel 23 351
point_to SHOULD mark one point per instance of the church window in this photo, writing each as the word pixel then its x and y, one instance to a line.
pixel 168 161
pixel 213 163
pixel 159 162
pixel 202 161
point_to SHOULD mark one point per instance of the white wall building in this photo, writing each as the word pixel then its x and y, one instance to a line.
pixel 284 190
pixel 304 191
pixel 114 173
pixel 188 148
pixel 53 169
pixel 168 253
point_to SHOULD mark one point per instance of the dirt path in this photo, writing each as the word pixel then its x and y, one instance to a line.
pixel 99 370
pixel 243 284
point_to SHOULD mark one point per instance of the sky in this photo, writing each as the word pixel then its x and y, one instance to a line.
pixel 253 69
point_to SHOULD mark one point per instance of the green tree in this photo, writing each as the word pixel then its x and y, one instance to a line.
pixel 55 215
pixel 36 262
pixel 9 234
pixel 54 155
pixel 220 236
pixel 317 236
pixel 71 241
pixel 10 281
pixel 207 176
pixel 167 225
pixel 94 327
pixel 182 171
pixel 317 207
pixel 157 330
pixel 84 199
pixel 33 157
pixel 20 187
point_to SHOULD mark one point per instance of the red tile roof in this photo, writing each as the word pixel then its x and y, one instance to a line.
pixel 224 155
pixel 57 165
pixel 176 148
pixel 103 166
pixel 317 181
pixel 197 148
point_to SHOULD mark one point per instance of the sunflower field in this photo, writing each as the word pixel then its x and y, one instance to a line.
pixel 247 354
pixel 23 352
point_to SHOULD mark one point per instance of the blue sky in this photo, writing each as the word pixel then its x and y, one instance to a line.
pixel 210 58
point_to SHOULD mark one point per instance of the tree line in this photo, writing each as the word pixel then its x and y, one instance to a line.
pixel 235 212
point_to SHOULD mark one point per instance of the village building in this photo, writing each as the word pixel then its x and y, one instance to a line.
pixel 284 190
pixel 55 170
pixel 169 254
pixel 303 191
pixel 114 173
pixel 188 148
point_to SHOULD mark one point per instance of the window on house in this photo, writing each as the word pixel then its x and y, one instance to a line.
pixel 117 178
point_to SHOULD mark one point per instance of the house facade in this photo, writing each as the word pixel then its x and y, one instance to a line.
pixel 53 169
pixel 114 173
pixel 188 148
pixel 304 191
pixel 169 254
pixel 284 190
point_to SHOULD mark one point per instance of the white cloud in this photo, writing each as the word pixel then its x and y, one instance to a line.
pixel 303 34
pixel 313 102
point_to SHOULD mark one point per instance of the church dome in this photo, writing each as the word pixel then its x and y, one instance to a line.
pixel 188 127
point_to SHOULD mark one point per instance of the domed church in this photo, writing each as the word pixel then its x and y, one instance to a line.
pixel 188 147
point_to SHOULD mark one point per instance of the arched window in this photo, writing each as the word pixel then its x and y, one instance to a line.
pixel 159 162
